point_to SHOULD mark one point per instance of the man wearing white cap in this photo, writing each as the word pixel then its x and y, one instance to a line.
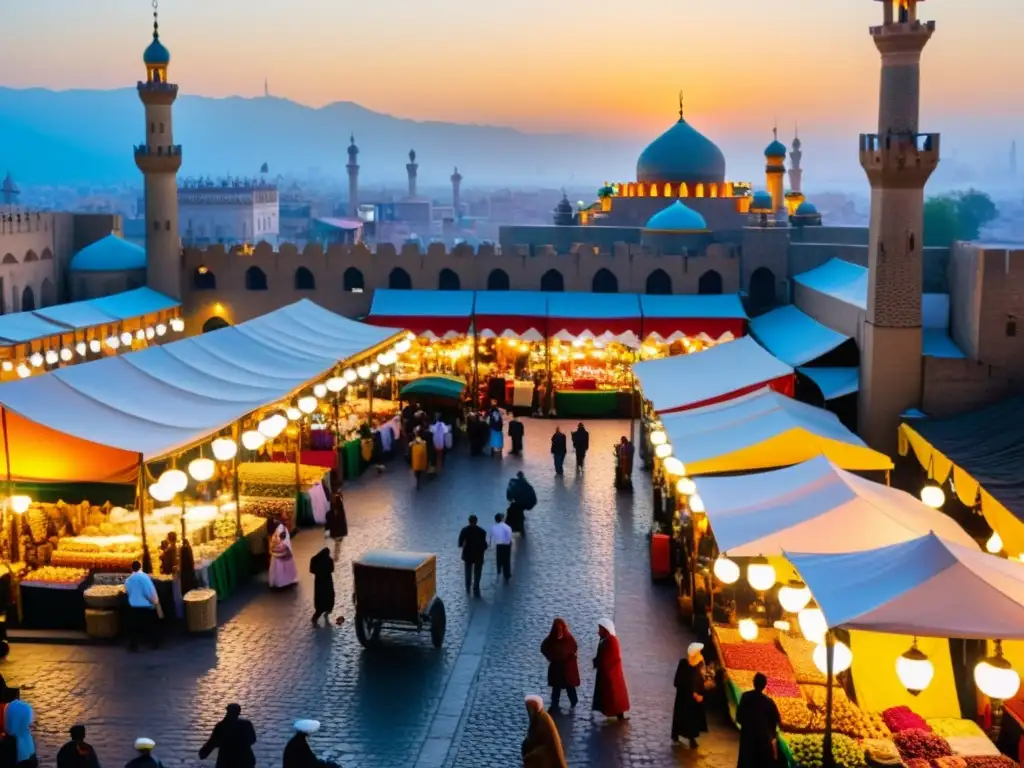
pixel 298 753
pixel 542 747
pixel 145 757
pixel 688 717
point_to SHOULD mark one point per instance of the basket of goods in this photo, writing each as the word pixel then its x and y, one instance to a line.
pixel 794 715
pixel 801 657
pixel 914 742
pixel 104 597
pixel 757 657
pixel 102 623
pixel 200 610
pixel 904 719
pixel 53 576
pixel 268 506
pixel 880 752
pixel 275 479
pixel 808 750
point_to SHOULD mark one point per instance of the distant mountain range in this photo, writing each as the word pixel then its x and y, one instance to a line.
pixel 86 136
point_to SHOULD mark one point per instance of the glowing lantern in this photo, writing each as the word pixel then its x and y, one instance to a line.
pixel 177 325
pixel 7 366
pixel 320 390
pixel 94 345
pixel 272 426
pixel 403 346
pixel 748 630
pixel 781 625
pixel 160 492
pixel 224 448
pixel 350 375
pixel 20 504
pixel 174 479
pixel 685 486
pixel 113 342
pixel 307 404
pixel 66 354
pixel 161 329
pixel 251 440
pixel 201 470
pixel 36 360
pixel 663 451
pixel 933 496
pixel 794 597
pixel 674 467
pixel 52 357
pixel 995 677
pixel 363 371
pixel 726 571
pixel 914 670
pixel 760 575
pixel 812 624
pixel 696 503
pixel 658 437
pixel 126 339
pixel 81 348
pixel 294 414
pixel 336 384
pixel 994 545
pixel 140 334
pixel 150 332
pixel 842 658
pixel 24 371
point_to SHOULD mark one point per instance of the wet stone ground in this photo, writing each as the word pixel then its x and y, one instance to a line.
pixel 405 704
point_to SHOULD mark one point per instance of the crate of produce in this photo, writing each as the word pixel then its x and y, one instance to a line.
pixel 103 597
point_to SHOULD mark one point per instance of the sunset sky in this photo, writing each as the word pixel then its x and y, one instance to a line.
pixel 597 66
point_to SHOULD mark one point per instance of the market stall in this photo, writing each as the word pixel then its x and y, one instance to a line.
pixel 700 320
pixel 797 339
pixel 717 374
pixel 511 359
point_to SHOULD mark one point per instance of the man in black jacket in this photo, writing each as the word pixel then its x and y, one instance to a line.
pixel 580 444
pixel 473 541
pixel 233 738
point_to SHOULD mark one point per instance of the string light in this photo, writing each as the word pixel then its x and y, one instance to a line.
pixel 126 339
pixel 36 360
pixel 66 355
pixel 320 391
pixel 161 329
pixel 52 357
pixel 94 346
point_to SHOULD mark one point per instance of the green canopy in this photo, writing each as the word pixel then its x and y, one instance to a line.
pixel 434 386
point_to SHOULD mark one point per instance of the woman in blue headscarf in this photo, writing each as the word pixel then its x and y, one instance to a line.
pixel 17 723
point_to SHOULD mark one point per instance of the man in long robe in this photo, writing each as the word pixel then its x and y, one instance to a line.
pixel 233 738
pixel 758 718
pixel 542 747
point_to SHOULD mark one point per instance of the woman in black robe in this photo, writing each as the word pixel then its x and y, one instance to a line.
pixel 336 523
pixel 298 753
pixel 758 718
pixel 688 717
pixel 322 568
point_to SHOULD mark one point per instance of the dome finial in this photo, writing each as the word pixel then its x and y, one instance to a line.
pixel 156 20
pixel 680 105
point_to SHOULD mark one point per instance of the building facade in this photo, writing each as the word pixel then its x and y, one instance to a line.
pixel 229 212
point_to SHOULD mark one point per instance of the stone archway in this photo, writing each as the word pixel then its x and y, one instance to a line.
pixel 710 283
pixel 28 299
pixel 47 294
pixel 761 291
pixel 399 280
pixel 215 323
pixel 498 280
pixel 659 283
pixel 448 280
pixel 605 281
pixel 552 281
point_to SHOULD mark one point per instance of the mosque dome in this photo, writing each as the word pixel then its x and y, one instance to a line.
pixel 678 217
pixel 761 201
pixel 156 53
pixel 775 149
pixel 111 254
pixel 806 209
pixel 681 154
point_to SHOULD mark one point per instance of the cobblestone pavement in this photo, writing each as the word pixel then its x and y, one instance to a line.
pixel 405 703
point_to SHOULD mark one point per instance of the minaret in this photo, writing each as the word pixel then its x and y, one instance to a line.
pixel 159 160
pixel 353 177
pixel 10 190
pixel 411 168
pixel 796 174
pixel 775 171
pixel 456 200
pixel 898 161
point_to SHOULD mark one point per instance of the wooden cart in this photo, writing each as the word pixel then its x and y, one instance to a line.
pixel 397 590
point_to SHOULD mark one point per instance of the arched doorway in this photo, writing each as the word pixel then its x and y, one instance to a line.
pixel 659 283
pixel 255 279
pixel 215 323
pixel 497 280
pixel 448 280
pixel 352 281
pixel 304 280
pixel 552 281
pixel 604 282
pixel 761 293
pixel 47 294
pixel 399 280
pixel 28 299
pixel 710 283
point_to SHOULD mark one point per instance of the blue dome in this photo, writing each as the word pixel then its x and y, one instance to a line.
pixel 761 201
pixel 775 149
pixel 681 154
pixel 111 254
pixel 677 218
pixel 156 53
pixel 806 209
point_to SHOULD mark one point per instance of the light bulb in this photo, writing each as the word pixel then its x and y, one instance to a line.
pixel 81 348
pixel 663 451
pixel 113 342
pixel 933 496
pixel 294 414
pixel 252 440
pixel 812 624
pixel 760 576
pixel 150 333
pixel 224 448
pixel 307 404
pixel 842 658
pixel 336 384
pixel 363 371
pixel 994 545
pixel 140 335
pixel 201 469
pixel 66 355
pixel 350 375
pixel 726 571
pixel 177 325
pixel 748 630
pixel 374 367
pixel 160 492
pixel 403 346
pixel 658 437
pixel 94 345
pixel 794 597
pixel 51 356
pixel 914 670
pixel 7 366
pixel 696 503
pixel 995 677
pixel 36 360
pixel 271 427
pixel 782 625
pixel 174 479
pixel 674 467
pixel 320 391
pixel 24 371
pixel 685 486
pixel 21 503
pixel 126 339
pixel 161 329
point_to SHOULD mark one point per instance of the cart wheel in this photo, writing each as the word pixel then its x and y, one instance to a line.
pixel 367 630
pixel 438 620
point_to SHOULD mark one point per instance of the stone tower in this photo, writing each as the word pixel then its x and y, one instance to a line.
pixel 353 177
pixel 411 168
pixel 9 190
pixel 898 161
pixel 456 191
pixel 159 160
pixel 796 173
pixel 775 172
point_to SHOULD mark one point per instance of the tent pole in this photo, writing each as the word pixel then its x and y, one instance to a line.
pixel 549 395
pixel 632 401
pixel 236 433
pixel 10 491
pixel 369 400
pixel 827 758
pixel 140 502
pixel 888 477
pixel 476 369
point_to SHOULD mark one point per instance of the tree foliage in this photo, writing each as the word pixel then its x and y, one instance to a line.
pixel 957 216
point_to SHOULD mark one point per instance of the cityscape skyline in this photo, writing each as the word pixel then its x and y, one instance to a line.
pixel 751 64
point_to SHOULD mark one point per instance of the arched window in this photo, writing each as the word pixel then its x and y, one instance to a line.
pixel 28 299
pixel 710 283
pixel 304 280
pixel 497 280
pixel 47 293
pixel 9 259
pixel 46 255
pixel 684 191
pixel 31 256
pixel 215 323
pixel 203 279
pixel 659 283
pixel 255 279
pixel 700 191
pixel 605 282
pixel 761 293
pixel 668 190
pixel 448 280
pixel 399 279
pixel 552 281
pixel 712 190
pixel 640 189
pixel 352 281
pixel 653 192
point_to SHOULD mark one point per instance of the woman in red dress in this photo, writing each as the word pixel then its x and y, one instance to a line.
pixel 611 698
pixel 559 648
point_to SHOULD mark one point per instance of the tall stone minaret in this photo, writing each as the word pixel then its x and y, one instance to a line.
pixel 796 173
pixel 898 161
pixel 456 193
pixel 159 160
pixel 411 168
pixel 775 171
pixel 353 177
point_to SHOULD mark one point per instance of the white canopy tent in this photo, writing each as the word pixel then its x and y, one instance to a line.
pixel 925 587
pixel 724 371
pixel 815 507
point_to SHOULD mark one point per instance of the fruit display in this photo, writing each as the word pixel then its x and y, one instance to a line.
pixel 808 750
pixel 955 761
pixel 732 636
pixel 794 715
pixel 98 561
pixel 1002 761
pixel 54 576
pixel 914 742
pixel 800 653
pixel 816 694
pixel 904 718
pixel 275 479
pixel 744 680
pixel 848 718
pixel 267 507
pixel 757 657
pixel 103 597
pixel 954 726
pixel 881 752
pixel 125 543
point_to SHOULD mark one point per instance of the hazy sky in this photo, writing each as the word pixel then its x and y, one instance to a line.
pixel 582 65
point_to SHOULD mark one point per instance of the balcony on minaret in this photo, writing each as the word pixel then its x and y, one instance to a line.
pixel 900 25
pixel 899 159
pixel 158 159
pixel 157 92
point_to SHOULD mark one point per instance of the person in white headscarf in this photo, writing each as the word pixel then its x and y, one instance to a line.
pixel 145 758
pixel 283 571
pixel 542 747
pixel 298 753
pixel 688 717
pixel 611 698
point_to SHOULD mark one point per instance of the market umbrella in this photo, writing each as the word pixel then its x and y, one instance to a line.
pixel 434 386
